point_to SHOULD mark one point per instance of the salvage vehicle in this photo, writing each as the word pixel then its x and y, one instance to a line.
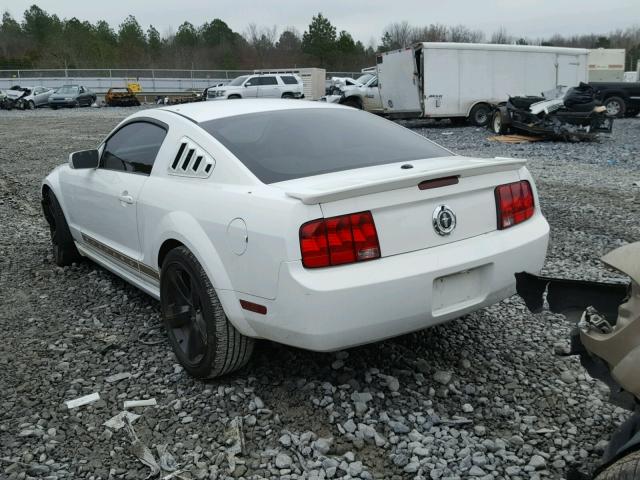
pixel 606 336
pixel 28 97
pixel 246 224
pixel 121 97
pixel 570 114
pixel 72 96
pixel 622 99
pixel 362 93
pixel 259 86
pixel 460 81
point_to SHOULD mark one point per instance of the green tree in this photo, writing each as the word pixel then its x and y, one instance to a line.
pixel 187 36
pixel 217 33
pixel 154 43
pixel 289 41
pixel 320 40
pixel 345 43
pixel 602 42
pixel 39 25
pixel 105 44
pixel 131 42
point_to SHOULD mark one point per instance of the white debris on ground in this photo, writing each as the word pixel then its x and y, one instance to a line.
pixel 481 397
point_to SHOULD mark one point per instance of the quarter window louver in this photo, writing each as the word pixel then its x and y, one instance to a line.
pixel 191 160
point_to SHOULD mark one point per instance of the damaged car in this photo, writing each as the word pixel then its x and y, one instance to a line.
pixel 25 98
pixel 72 96
pixel 121 97
pixel 563 113
pixel 246 224
pixel 606 336
pixel 361 93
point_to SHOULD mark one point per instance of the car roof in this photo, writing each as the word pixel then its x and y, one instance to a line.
pixel 204 111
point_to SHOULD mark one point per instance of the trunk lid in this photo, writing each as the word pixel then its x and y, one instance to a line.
pixel 404 213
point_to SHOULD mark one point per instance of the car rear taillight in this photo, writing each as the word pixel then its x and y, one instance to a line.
pixel 514 203
pixel 338 240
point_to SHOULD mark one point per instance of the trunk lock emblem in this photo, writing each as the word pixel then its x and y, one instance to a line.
pixel 444 220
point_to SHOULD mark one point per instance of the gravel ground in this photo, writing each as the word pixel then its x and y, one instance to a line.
pixel 480 397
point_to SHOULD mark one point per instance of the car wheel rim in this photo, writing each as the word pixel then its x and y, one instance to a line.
pixel 481 116
pixel 184 315
pixel 497 124
pixel 613 108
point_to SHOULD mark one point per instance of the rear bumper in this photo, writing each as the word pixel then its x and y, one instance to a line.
pixel 339 307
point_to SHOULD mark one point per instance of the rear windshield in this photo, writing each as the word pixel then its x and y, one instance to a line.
pixel 286 144
pixel 67 89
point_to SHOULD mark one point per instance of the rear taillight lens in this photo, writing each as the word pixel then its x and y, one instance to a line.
pixel 339 240
pixel 514 203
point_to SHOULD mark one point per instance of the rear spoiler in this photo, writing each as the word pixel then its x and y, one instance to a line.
pixel 360 185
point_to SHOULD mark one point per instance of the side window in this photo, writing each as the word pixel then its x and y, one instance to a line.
pixel 133 148
pixel 81 89
pixel 268 81
pixel 373 84
pixel 252 82
pixel 289 80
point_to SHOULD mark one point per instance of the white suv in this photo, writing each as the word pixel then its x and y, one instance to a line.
pixel 259 86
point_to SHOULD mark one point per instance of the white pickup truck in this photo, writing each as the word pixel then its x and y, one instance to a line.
pixel 361 93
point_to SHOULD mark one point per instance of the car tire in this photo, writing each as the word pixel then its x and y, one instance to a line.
pixel 627 468
pixel 615 107
pixel 497 123
pixel 31 105
pixel 234 97
pixel 480 115
pixel 206 344
pixel 287 95
pixel 353 103
pixel 53 107
pixel 63 247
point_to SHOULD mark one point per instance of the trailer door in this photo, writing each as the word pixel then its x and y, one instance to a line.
pixel 442 82
pixel 568 70
pixel 398 81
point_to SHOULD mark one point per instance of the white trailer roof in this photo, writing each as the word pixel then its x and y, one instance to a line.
pixel 509 48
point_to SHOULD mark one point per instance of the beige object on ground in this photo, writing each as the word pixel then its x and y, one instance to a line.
pixel 621 348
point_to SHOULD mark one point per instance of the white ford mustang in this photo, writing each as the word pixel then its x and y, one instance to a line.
pixel 314 225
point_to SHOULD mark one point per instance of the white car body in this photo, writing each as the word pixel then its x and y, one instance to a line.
pixel 280 85
pixel 245 233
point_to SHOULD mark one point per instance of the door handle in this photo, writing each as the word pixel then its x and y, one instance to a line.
pixel 124 198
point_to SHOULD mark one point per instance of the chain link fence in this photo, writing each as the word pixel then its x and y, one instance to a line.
pixel 151 80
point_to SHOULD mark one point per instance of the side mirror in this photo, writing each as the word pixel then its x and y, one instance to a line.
pixel 84 159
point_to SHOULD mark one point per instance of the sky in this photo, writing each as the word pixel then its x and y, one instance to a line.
pixel 365 20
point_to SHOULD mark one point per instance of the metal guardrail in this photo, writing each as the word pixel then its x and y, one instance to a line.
pixel 151 80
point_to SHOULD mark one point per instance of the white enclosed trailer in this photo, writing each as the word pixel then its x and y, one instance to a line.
pixel 606 64
pixel 313 80
pixel 461 80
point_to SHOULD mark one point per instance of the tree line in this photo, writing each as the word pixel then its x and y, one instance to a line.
pixel 43 40
pixel 402 34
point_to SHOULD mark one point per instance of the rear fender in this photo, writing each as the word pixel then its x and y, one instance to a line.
pixel 52 182
pixel 200 245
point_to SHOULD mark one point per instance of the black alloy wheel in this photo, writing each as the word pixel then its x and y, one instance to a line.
pixel 184 314
pixel 206 344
